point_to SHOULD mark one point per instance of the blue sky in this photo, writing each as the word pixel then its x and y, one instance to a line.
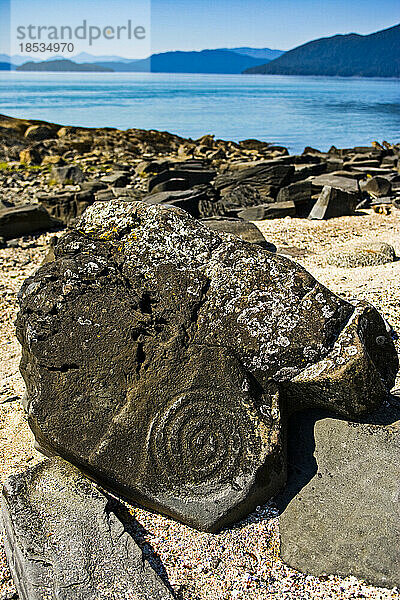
pixel 281 24
pixel 199 24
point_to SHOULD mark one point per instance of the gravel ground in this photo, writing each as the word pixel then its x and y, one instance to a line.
pixel 243 561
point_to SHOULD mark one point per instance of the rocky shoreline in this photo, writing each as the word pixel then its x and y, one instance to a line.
pixel 227 186
pixel 63 170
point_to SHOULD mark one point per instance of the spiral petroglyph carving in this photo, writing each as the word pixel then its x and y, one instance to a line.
pixel 197 442
pixel 163 358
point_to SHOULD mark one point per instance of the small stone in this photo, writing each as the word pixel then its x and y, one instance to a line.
pixel 362 255
pixel 67 174
pixel 376 187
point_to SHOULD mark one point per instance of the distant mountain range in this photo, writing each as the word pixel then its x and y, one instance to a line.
pixel 17 59
pixel 353 55
pixel 63 66
pixel 205 61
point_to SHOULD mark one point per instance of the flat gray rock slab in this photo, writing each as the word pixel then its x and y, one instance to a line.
pixel 345 520
pixel 63 541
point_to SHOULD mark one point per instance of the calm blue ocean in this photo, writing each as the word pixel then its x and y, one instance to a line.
pixel 292 111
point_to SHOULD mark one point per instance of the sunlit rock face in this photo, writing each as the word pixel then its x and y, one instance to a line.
pixel 162 359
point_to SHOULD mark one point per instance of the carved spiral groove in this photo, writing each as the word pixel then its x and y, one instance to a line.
pixel 201 440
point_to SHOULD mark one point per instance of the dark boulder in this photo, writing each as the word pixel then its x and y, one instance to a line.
pixel 24 220
pixel 38 133
pixel 300 193
pixel 265 179
pixel 341 509
pixel 171 185
pixel 333 202
pixel 200 201
pixel 157 353
pixel 303 171
pixel 67 206
pixel 64 540
pixel 377 187
pixel 238 197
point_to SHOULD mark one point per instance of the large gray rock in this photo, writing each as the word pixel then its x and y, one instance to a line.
pixel 343 499
pixel 67 174
pixel 63 540
pixel 157 354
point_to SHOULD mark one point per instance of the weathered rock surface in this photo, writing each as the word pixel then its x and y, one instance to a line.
pixel 334 202
pixel 157 354
pixel 64 541
pixel 23 220
pixel 362 255
pixel 343 511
